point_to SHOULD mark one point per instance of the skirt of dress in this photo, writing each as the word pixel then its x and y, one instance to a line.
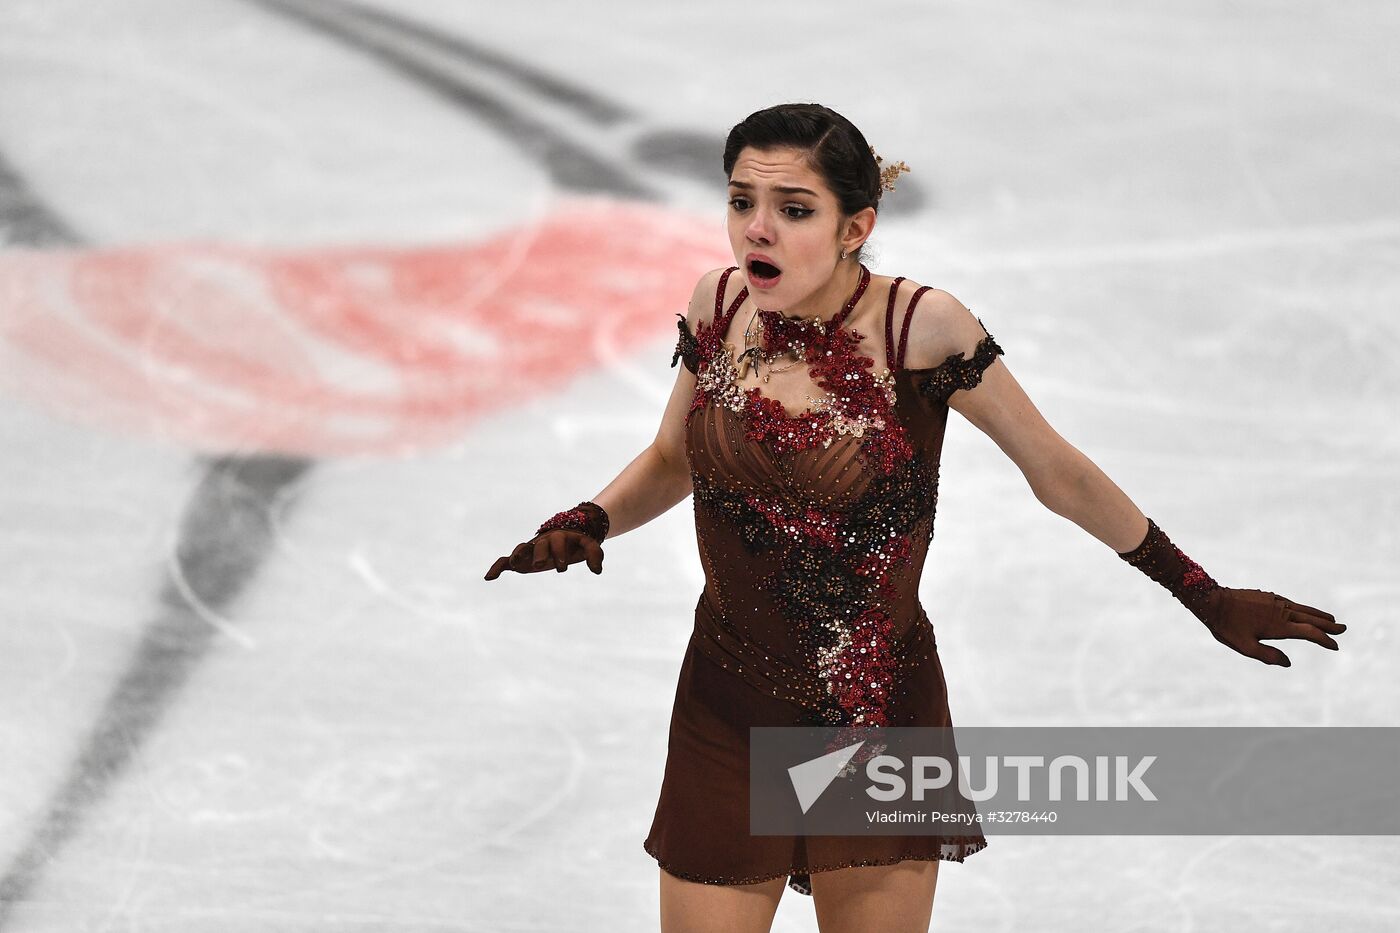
pixel 701 828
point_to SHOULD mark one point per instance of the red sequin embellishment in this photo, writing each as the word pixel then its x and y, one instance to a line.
pixel 856 402
pixel 836 573
pixel 1194 576
pixel 860 668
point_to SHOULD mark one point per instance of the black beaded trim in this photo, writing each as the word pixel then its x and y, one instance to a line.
pixel 756 532
pixel 687 347
pixel 814 582
pixel 956 373
pixel 897 500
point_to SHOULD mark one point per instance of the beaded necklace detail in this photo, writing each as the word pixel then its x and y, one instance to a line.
pixel 778 335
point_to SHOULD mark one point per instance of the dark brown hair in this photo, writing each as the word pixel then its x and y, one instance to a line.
pixel 836 149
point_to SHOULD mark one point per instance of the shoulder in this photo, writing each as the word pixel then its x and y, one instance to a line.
pixel 696 324
pixel 702 299
pixel 941 326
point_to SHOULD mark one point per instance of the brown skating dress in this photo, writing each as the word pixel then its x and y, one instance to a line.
pixel 813 529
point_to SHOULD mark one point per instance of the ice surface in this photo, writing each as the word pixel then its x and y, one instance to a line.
pixel 267 421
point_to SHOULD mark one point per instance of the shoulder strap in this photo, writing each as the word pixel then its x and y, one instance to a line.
pixel 904 330
pixel 721 320
pixel 889 325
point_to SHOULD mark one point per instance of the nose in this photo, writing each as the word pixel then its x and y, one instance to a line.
pixel 758 230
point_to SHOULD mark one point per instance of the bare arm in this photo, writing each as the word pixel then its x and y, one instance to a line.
pixel 660 475
pixel 1070 484
pixel 1062 478
pixel 655 480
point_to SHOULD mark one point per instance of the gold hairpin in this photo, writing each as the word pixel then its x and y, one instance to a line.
pixel 889 174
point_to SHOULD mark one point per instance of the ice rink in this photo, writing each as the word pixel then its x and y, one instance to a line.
pixel 311 310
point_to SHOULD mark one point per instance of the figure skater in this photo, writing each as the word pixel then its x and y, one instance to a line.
pixel 807 423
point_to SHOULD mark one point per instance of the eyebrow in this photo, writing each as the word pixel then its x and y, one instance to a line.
pixel 783 189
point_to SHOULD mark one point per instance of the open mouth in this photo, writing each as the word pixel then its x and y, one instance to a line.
pixel 763 273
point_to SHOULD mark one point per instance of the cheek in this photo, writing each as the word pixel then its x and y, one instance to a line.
pixel 811 250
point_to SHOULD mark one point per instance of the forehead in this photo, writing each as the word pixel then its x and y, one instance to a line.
pixel 776 167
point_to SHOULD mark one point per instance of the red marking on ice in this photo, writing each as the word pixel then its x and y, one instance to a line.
pixel 341 351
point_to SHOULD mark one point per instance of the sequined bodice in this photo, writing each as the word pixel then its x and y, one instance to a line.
pixel 813 529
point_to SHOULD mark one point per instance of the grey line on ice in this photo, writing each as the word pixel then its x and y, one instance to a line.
pixel 24 219
pixel 545 85
pixel 226 531
pixel 223 538
pixel 442 69
pixel 606 147
pixel 221 541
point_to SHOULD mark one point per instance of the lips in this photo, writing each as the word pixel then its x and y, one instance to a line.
pixel 763 272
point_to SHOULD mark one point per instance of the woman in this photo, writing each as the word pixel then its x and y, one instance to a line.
pixel 807 423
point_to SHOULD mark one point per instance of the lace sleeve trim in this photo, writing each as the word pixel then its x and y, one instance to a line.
pixel 939 382
pixel 687 347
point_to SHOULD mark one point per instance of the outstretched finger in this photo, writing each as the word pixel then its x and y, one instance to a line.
pixel 1268 654
pixel 501 564
pixel 1317 612
pixel 558 550
pixel 1323 620
pixel 1310 632
pixel 521 556
pixel 541 559
pixel 593 553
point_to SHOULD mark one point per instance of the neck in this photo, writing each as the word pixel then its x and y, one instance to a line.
pixel 826 302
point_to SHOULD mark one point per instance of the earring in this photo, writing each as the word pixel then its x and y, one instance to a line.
pixel 843 254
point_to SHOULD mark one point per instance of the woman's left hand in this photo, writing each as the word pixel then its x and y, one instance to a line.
pixel 1239 618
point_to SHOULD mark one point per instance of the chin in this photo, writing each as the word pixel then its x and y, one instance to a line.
pixel 773 299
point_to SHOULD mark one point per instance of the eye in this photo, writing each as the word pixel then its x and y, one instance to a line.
pixel 738 203
pixel 800 212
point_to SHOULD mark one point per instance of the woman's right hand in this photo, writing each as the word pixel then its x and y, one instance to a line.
pixel 555 549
